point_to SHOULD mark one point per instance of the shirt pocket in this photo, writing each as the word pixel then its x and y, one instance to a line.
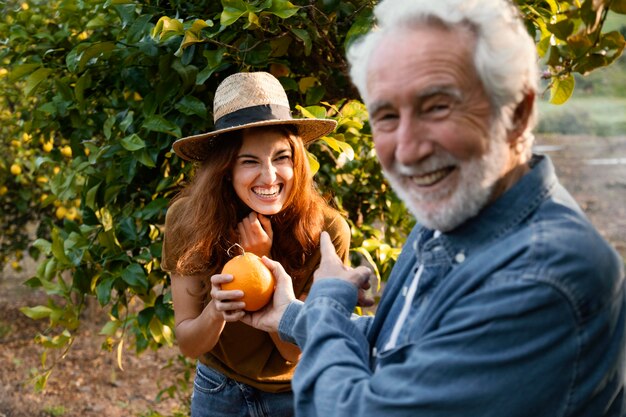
pixel 396 355
pixel 208 380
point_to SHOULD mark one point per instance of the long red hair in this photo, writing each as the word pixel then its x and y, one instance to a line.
pixel 199 238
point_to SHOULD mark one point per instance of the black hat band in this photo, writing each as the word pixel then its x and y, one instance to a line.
pixel 254 114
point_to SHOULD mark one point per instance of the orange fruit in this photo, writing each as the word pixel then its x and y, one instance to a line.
pixel 252 277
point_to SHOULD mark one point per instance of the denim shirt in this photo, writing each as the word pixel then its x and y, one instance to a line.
pixel 521 311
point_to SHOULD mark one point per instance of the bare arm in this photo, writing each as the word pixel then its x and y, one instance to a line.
pixel 198 327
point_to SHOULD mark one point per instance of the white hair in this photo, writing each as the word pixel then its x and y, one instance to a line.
pixel 505 56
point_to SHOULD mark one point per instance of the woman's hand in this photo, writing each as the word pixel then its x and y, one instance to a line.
pixel 268 317
pixel 255 234
pixel 226 302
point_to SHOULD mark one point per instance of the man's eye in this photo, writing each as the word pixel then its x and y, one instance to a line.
pixel 437 110
pixel 387 116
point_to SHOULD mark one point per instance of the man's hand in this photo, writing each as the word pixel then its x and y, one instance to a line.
pixel 268 317
pixel 255 234
pixel 331 266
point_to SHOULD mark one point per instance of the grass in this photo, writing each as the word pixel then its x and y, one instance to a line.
pixel 614 21
pixel 597 115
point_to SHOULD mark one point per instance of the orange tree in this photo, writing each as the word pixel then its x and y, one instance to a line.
pixel 94 92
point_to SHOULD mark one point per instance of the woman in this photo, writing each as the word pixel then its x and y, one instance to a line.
pixel 253 187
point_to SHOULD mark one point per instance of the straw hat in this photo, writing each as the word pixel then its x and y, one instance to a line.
pixel 249 99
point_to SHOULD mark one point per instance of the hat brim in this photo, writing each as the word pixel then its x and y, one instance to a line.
pixel 197 147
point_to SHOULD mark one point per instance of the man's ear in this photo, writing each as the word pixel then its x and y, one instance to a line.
pixel 521 117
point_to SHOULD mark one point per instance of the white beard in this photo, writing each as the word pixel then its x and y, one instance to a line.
pixel 477 180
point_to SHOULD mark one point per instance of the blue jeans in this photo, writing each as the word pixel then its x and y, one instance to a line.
pixel 216 395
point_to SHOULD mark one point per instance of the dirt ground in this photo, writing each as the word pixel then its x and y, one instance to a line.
pixel 88 383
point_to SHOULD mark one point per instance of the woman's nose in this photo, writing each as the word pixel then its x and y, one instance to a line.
pixel 268 173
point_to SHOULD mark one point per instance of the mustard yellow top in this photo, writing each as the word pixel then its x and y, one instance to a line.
pixel 248 355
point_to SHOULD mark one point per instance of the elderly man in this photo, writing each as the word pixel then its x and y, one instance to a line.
pixel 505 300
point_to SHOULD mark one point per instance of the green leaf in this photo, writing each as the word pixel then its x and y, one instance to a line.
pixel 368 257
pixel 83 83
pixel 362 25
pixel 154 208
pixel 135 276
pixel 108 125
pixel 214 64
pixel 315 94
pixel 313 162
pixel 562 29
pixel 339 146
pixel 138 28
pixel 43 245
pixel 33 81
pixel 58 249
pixel 91 196
pixel 283 9
pixel 20 71
pixel 233 10
pixel 93 53
pixel 304 36
pixel 37 312
pixel 543 46
pixel 145 158
pixel 562 89
pixel 103 290
pixel 166 28
pixel 158 123
pixel 312 112
pixel 190 105
pixel 133 143
pixel 110 328
pixel 97 22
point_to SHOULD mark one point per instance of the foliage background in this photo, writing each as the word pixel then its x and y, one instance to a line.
pixel 94 92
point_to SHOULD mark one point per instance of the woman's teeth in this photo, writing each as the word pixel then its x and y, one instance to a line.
pixel 267 192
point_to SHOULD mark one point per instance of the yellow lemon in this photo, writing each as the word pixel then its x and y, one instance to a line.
pixel 71 214
pixel 61 212
pixel 3 190
pixel 16 169
pixel 66 151
pixel 47 146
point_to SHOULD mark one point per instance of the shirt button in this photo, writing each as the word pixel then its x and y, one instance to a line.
pixel 460 257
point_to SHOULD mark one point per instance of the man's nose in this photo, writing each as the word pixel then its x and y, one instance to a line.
pixel 412 144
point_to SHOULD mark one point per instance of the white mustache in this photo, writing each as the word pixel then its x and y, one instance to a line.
pixel 433 163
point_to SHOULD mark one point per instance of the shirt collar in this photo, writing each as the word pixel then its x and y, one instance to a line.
pixel 508 211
